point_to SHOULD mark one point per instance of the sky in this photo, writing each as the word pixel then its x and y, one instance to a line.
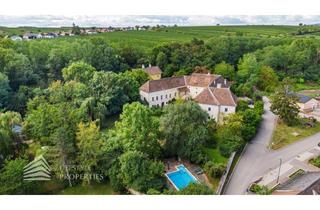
pixel 132 20
pixel 53 13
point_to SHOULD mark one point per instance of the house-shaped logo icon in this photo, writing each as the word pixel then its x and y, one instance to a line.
pixel 38 170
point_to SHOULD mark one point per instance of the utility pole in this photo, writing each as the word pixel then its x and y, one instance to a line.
pixel 279 171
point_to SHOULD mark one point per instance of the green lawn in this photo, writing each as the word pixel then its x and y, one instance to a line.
pixel 307 86
pixel 283 134
pixel 215 156
pixel 93 189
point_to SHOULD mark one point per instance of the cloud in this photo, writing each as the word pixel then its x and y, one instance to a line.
pixel 132 20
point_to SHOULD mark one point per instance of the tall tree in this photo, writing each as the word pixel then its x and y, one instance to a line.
pixel 267 79
pixel 78 71
pixel 226 70
pixel 247 66
pixel 284 104
pixel 140 173
pixel 138 130
pixel 11 178
pixel 89 146
pixel 4 90
pixel 183 126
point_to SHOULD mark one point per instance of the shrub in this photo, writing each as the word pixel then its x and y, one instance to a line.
pixel 258 107
pixel 260 190
pixel 316 161
pixel 229 142
pixel 242 105
pixel 196 189
pixel 214 170
pixel 153 192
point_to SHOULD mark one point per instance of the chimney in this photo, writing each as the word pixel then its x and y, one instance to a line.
pixel 149 65
pixel 142 66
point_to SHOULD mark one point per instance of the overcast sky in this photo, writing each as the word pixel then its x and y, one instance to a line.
pixel 151 12
pixel 131 20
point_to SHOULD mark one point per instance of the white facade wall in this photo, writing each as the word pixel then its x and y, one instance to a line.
pixel 160 98
pixel 194 91
pixel 227 109
pixel 212 110
pixel 217 112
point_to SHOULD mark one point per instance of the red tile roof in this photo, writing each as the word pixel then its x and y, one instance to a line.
pixel 153 70
pixel 201 80
pixel 163 84
pixel 216 96
pixel 206 97
pixel 210 95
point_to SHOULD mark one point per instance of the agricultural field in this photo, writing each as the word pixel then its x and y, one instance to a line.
pixel 147 40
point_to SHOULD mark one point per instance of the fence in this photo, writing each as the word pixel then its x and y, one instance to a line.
pixel 225 175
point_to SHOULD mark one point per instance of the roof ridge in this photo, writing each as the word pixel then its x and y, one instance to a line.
pixel 210 91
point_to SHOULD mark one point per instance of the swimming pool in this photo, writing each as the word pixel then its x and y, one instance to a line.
pixel 181 178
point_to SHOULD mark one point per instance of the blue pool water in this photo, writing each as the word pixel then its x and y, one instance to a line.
pixel 181 178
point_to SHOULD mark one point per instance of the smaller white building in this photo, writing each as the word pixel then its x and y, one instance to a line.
pixel 16 38
pixel 210 91
pixel 306 103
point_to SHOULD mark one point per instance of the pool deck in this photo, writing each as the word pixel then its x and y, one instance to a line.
pixel 171 165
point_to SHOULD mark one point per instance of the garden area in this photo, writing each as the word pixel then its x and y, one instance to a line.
pixel 285 134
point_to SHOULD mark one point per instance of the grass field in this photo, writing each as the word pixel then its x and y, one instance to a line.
pixel 151 38
pixel 215 156
pixel 284 134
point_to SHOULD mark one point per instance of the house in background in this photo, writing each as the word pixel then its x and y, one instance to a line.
pixel 306 103
pixel 210 91
pixel 153 71
pixel 16 38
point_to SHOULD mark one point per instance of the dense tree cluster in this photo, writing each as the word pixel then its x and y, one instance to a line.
pixel 62 92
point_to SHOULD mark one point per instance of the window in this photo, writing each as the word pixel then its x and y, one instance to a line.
pixel 225 109
pixel 161 97
pixel 170 95
pixel 209 109
pixel 157 98
pixel 152 98
pixel 166 95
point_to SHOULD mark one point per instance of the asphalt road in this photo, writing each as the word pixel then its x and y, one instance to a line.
pixel 258 159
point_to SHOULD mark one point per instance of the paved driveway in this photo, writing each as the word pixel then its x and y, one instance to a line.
pixel 257 159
